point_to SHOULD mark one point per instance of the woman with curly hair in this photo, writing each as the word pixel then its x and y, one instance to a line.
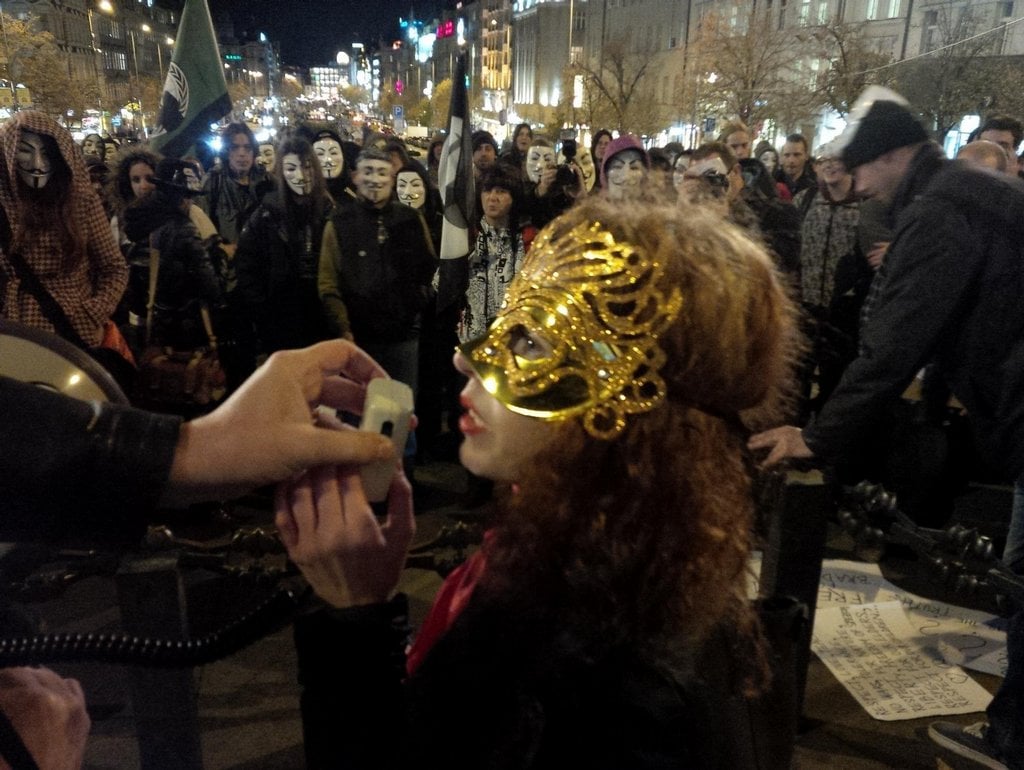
pixel 132 179
pixel 604 622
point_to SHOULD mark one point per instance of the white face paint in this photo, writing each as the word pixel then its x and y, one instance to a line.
pixel 410 189
pixel 267 156
pixel 537 159
pixel 586 164
pixel 328 152
pixel 297 175
pixel 625 172
pixel 91 145
pixel 374 181
pixel 35 167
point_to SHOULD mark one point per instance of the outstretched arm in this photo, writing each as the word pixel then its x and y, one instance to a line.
pixel 266 431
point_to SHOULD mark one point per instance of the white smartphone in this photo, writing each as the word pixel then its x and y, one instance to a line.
pixel 387 411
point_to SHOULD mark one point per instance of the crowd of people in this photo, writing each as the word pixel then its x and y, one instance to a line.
pixel 627 321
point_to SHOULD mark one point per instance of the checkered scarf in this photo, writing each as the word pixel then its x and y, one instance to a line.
pixel 88 293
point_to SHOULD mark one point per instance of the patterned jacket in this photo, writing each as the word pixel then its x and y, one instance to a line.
pixel 89 291
pixel 493 264
pixel 829 233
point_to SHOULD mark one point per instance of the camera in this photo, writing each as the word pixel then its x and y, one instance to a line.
pixel 569 150
pixel 568 139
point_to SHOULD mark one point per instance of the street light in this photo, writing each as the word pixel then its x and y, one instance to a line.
pixel 138 81
pixel 159 54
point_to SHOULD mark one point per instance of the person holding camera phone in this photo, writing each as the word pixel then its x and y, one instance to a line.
pixel 624 168
pixel 550 188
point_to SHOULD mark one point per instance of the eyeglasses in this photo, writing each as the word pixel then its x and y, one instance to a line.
pixel 711 178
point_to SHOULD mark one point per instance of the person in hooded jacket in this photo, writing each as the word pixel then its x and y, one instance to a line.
pixel 336 164
pixel 186 278
pixel 278 252
pixel 56 223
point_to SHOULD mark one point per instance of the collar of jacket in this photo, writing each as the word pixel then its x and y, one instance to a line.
pixel 928 161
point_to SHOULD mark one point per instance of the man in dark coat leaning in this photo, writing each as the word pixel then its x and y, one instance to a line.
pixel 948 293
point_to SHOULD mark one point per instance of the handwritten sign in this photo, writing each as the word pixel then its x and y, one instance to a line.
pixel 957 635
pixel 871 650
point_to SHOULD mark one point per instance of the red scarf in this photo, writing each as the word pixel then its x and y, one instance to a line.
pixel 451 600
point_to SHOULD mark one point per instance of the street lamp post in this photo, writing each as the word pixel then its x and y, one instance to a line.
pixel 104 6
pixel 159 53
pixel 138 82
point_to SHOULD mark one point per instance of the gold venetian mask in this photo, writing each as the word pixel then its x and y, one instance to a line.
pixel 590 310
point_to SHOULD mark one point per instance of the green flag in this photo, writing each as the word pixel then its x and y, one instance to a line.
pixel 195 93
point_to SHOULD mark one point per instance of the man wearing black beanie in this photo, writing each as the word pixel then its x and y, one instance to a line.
pixel 948 294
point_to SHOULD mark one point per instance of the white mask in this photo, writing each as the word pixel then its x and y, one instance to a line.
pixel 586 163
pixel 35 167
pixel 267 156
pixel 297 175
pixel 410 189
pixel 625 173
pixel 374 181
pixel 328 152
pixel 537 160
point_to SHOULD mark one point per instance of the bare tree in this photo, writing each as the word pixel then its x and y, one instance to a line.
pixel 959 75
pixel 31 57
pixel 854 63
pixel 744 63
pixel 620 95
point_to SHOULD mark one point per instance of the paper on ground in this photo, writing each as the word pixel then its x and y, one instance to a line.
pixel 875 652
pixel 946 632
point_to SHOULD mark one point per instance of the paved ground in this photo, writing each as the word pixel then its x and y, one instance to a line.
pixel 248 703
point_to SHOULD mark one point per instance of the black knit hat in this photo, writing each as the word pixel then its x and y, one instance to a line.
pixel 886 126
pixel 480 137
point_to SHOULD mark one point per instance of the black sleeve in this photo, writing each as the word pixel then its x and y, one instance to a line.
pixel 351 665
pixel 194 254
pixel 929 274
pixel 251 263
pixel 73 469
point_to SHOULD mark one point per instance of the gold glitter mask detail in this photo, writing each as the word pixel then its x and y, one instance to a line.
pixel 599 305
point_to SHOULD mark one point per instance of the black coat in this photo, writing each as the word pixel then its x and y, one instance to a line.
pixel 79 471
pixel 276 265
pixel 950 292
pixel 186 278
pixel 499 691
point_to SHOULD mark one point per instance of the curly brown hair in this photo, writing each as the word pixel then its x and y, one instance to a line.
pixel 119 188
pixel 642 542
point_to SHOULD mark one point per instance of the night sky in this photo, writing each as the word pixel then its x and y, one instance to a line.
pixel 311 32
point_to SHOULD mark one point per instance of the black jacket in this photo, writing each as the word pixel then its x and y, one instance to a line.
pixel 950 292
pixel 276 265
pixel 186 278
pixel 376 267
pixel 79 471
pixel 487 695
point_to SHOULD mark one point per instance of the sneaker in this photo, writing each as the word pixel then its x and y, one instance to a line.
pixel 968 742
